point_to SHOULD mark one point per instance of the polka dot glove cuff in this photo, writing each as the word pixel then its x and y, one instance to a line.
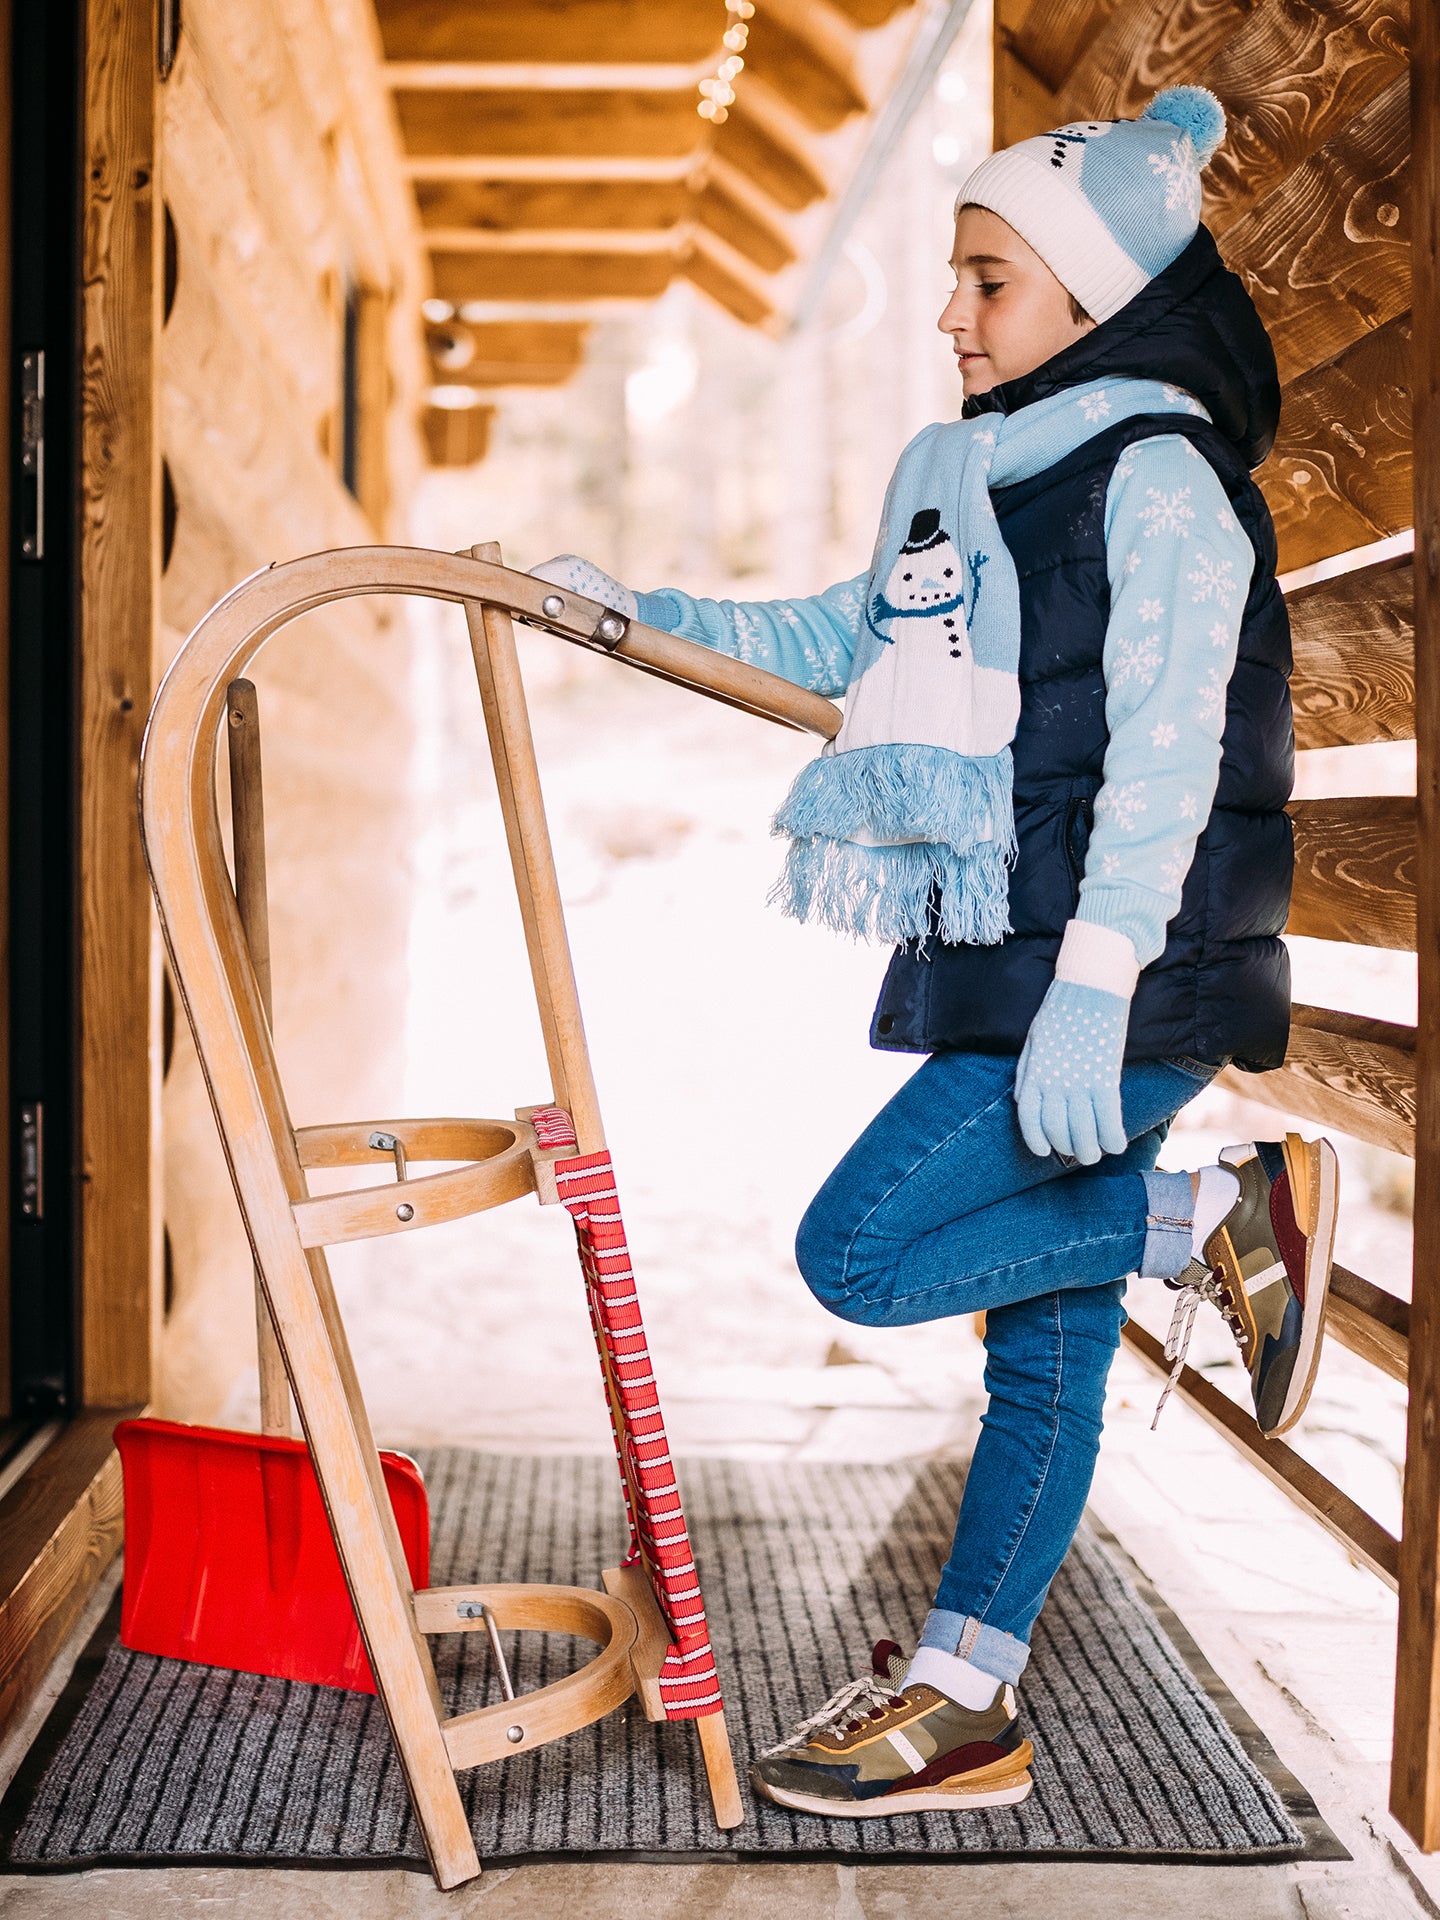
pixel 588 580
pixel 1067 1088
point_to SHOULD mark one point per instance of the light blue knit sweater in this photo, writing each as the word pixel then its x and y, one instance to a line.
pixel 1180 567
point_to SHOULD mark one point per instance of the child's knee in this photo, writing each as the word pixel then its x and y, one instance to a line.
pixel 822 1255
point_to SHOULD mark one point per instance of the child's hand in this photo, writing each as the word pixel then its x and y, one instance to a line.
pixel 1067 1087
pixel 588 580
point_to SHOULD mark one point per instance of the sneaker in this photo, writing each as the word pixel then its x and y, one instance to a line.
pixel 1267 1268
pixel 878 1747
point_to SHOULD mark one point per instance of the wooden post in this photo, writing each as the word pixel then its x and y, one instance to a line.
pixel 247 817
pixel 512 749
pixel 537 887
pixel 1415 1771
pixel 119 578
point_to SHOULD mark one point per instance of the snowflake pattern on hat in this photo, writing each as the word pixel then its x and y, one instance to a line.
pixel 1107 204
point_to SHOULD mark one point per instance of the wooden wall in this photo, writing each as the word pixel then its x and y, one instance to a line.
pixel 1328 170
pixel 283 187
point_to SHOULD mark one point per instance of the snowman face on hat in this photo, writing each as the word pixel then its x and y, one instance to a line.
pixel 1067 144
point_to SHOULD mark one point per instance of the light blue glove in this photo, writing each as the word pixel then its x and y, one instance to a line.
pixel 588 580
pixel 1067 1086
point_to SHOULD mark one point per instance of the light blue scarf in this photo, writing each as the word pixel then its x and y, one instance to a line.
pixel 905 825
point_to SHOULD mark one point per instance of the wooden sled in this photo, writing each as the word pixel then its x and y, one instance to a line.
pixel 645 1623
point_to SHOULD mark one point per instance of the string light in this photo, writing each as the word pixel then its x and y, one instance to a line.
pixel 717 92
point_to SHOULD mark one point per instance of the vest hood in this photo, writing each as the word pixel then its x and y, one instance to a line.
pixel 1193 325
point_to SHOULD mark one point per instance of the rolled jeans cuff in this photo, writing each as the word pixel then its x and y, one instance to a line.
pixel 970 1639
pixel 1169 1224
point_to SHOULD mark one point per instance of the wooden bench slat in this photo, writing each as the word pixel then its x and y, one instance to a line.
pixel 1355 867
pixel 1326 255
pixel 1342 1071
pixel 1354 640
pixel 1143 46
pixel 1340 473
pixel 1289 77
pixel 1369 1321
pixel 1306 1485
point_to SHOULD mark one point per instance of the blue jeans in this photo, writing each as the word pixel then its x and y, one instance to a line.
pixel 940 1208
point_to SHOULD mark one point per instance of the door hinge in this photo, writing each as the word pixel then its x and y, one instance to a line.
pixel 32 1160
pixel 32 454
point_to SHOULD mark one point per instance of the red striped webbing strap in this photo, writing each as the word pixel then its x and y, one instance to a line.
pixel 659 1539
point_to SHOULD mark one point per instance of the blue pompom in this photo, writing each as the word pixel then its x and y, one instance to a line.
pixel 1196 111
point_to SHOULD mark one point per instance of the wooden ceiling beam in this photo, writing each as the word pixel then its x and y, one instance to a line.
pixel 550 76
pixel 536 205
pixel 715 270
pixel 807 69
pixel 546 341
pixel 489 377
pixel 498 355
pixel 823 92
pixel 740 186
pixel 500 312
pixel 871 13
pixel 571 168
pixel 680 31
pixel 515 122
pixel 761 241
pixel 486 376
pixel 541 277
pixel 756 141
pixel 621 240
pixel 456 436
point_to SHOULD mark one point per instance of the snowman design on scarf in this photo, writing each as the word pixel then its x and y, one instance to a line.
pixel 925 688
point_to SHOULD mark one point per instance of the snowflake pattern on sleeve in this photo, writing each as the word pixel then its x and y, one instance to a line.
pixel 1167 512
pixel 1180 568
pixel 809 641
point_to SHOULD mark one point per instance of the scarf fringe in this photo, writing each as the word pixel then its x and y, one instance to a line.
pixel 901 791
pixel 895 894
pixel 952 879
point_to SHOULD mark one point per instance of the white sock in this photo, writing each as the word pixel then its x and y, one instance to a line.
pixel 1219 1190
pixel 967 1686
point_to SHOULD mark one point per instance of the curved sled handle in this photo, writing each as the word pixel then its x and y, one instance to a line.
pixel 669 657
pixel 237 627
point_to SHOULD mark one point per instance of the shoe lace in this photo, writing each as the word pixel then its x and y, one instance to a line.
pixel 1198 1286
pixel 855 1703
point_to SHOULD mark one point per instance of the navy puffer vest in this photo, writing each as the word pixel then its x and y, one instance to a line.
pixel 1221 988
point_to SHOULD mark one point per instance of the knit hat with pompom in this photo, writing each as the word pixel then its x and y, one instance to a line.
pixel 1107 204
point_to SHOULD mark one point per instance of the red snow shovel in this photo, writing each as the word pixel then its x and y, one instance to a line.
pixel 228 1554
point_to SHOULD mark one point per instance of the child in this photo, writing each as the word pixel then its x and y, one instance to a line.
pixel 1060 788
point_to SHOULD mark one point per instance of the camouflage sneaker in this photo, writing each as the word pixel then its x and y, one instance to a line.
pixel 878 1747
pixel 1267 1268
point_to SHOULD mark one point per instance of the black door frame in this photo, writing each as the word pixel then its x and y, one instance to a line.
pixel 48 82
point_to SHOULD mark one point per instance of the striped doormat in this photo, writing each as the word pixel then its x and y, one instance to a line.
pixel 1140 1753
